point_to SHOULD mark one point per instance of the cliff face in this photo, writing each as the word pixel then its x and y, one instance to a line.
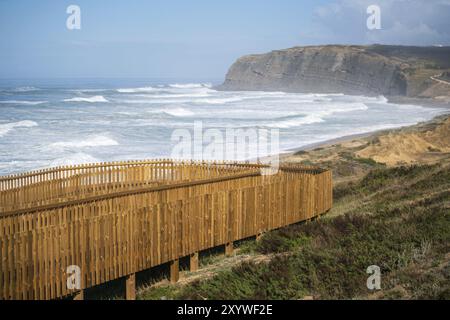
pixel 327 69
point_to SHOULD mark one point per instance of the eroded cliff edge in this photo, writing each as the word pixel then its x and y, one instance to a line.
pixel 359 70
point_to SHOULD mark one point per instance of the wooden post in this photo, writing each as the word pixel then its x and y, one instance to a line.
pixel 79 295
pixel 174 271
pixel 193 262
pixel 130 287
pixel 229 249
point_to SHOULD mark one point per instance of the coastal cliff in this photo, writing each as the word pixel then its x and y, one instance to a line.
pixel 358 70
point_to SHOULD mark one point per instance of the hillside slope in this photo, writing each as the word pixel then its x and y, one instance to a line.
pixel 395 218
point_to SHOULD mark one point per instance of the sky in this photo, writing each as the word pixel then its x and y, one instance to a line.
pixel 194 39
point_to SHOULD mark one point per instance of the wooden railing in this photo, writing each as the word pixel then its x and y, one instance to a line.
pixel 113 220
pixel 74 182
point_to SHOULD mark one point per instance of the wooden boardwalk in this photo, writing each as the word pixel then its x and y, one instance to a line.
pixel 113 220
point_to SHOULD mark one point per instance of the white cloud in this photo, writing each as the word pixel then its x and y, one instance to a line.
pixel 403 22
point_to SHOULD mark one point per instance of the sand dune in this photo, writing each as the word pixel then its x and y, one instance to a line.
pixel 400 147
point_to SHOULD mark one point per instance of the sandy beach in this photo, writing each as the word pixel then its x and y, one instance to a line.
pixel 427 103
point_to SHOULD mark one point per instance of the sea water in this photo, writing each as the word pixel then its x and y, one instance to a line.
pixel 53 123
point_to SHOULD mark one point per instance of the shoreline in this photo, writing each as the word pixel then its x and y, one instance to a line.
pixel 425 103
pixel 421 102
pixel 426 142
pixel 330 142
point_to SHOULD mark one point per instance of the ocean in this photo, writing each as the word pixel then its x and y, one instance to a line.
pixel 56 122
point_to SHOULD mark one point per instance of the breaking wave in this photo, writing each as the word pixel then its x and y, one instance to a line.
pixel 74 159
pixel 93 99
pixel 179 112
pixel 91 141
pixel 218 100
pixel 313 117
pixel 7 127
pixel 190 85
pixel 25 89
pixel 22 102
pixel 138 90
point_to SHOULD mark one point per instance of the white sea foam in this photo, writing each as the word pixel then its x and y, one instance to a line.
pixel 80 91
pixel 73 159
pixel 170 87
pixel 181 95
pixel 382 99
pixel 314 116
pixel 173 111
pixel 7 127
pixel 151 101
pixel 190 85
pixel 269 93
pixel 138 90
pixel 126 113
pixel 22 102
pixel 327 94
pixel 218 100
pixel 179 112
pixel 87 99
pixel 165 98
pixel 91 141
pixel 25 89
pixel 295 122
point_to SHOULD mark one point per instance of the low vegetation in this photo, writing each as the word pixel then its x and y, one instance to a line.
pixel 396 218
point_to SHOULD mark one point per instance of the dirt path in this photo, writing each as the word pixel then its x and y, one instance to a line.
pixel 208 271
pixel 439 80
pixel 226 263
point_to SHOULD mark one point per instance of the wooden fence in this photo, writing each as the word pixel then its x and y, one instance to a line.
pixel 115 219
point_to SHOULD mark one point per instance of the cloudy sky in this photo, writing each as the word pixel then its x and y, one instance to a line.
pixel 194 39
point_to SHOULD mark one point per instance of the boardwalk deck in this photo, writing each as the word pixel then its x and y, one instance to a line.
pixel 115 219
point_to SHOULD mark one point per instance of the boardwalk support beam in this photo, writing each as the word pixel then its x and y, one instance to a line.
pixel 229 249
pixel 130 287
pixel 193 262
pixel 79 295
pixel 174 271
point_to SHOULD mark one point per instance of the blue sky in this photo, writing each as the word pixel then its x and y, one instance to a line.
pixel 194 39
